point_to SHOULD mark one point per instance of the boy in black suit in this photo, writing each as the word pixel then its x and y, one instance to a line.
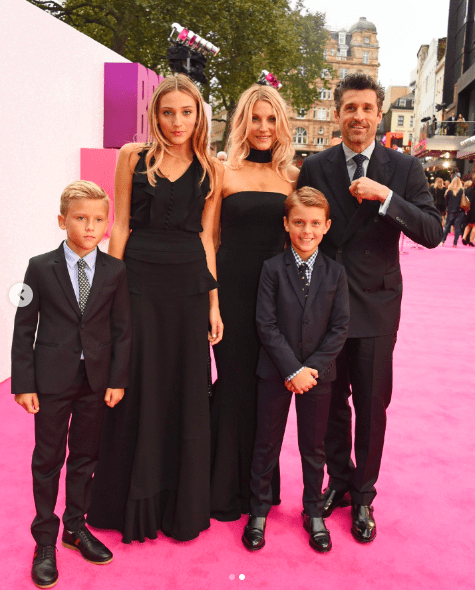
pixel 302 319
pixel 80 351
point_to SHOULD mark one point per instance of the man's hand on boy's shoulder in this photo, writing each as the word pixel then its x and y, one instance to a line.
pixel 29 401
pixel 113 396
pixel 303 381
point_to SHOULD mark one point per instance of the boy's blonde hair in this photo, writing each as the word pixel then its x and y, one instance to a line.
pixel 81 189
pixel 238 145
pixel 309 197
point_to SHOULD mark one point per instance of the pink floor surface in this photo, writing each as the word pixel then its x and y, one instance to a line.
pixel 426 491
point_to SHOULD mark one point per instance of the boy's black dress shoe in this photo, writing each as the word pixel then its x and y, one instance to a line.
pixel 253 536
pixel 334 499
pixel 86 543
pixel 44 572
pixel 363 528
pixel 319 534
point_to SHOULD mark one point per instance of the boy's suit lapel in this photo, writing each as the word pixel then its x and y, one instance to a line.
pixel 97 282
pixel 315 280
pixel 293 275
pixel 61 270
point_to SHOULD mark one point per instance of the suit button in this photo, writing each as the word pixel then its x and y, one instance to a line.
pixel 376 220
pixel 77 350
pixel 300 345
pixel 83 326
pixel 306 323
pixel 366 251
pixel 339 251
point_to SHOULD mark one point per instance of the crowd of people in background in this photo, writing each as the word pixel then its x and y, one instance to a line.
pixel 455 201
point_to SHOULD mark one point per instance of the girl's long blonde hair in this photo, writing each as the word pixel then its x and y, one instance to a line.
pixel 238 145
pixel 158 143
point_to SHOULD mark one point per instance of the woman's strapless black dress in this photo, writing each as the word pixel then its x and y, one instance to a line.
pixel 251 232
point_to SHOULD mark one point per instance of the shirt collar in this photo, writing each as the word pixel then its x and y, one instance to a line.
pixel 310 262
pixel 72 257
pixel 349 153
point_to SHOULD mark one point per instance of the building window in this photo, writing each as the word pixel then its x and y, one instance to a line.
pixel 301 113
pixel 410 137
pixel 325 73
pixel 314 112
pixel 341 38
pixel 400 120
pixel 322 114
pixel 326 140
pixel 366 39
pixel 343 73
pixel 342 52
pixel 332 52
pixel 300 136
pixel 320 130
pixel 319 140
pixel 412 121
pixel 325 94
pixel 366 57
pixel 402 102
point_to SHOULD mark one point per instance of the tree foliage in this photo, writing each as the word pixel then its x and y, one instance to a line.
pixel 252 36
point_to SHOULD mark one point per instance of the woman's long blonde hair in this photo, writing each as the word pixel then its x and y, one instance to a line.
pixel 238 146
pixel 158 143
pixel 455 185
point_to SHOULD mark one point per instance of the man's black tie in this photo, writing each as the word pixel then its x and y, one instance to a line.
pixel 303 277
pixel 359 172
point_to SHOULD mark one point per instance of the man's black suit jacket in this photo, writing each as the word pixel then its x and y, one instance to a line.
pixel 49 363
pixel 366 243
pixel 296 331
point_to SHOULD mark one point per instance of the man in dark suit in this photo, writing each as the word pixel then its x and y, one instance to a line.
pixel 66 365
pixel 302 318
pixel 374 194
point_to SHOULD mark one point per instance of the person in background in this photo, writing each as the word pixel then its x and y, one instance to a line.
pixel 469 232
pixel 438 194
pixel 455 214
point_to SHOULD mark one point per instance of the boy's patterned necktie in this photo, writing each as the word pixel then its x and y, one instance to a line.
pixel 359 172
pixel 303 276
pixel 84 286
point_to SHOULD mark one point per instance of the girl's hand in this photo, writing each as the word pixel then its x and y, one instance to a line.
pixel 216 333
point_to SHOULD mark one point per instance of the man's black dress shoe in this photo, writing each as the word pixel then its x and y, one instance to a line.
pixel 363 528
pixel 86 543
pixel 44 572
pixel 334 499
pixel 253 536
pixel 319 534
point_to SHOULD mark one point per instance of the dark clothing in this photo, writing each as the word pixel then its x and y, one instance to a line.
pixel 70 390
pixel 85 409
pixel 366 243
pixel 438 195
pixel 154 468
pixel 471 212
pixel 272 411
pixel 308 334
pixel 453 201
pixel 455 219
pixel 251 232
pixel 296 331
pixel 102 332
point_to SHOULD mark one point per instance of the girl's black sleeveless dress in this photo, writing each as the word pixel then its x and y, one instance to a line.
pixel 154 466
pixel 252 231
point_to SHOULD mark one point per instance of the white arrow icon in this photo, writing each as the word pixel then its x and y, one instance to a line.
pixel 20 294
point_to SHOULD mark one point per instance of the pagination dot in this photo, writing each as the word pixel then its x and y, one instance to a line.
pixel 242 577
pixel 232 576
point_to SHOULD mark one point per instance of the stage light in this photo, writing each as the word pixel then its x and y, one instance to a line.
pixel 188 53
pixel 268 79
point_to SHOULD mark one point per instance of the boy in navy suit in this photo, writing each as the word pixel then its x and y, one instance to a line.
pixel 66 365
pixel 302 319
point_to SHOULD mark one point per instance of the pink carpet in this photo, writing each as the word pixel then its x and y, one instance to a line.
pixel 426 492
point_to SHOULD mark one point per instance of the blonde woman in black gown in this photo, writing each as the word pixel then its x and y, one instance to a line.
pixel 154 465
pixel 257 179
